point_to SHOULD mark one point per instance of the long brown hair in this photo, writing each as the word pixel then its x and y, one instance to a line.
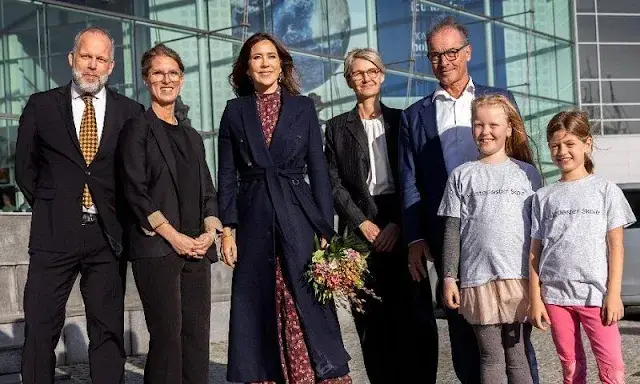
pixel 516 145
pixel 576 123
pixel 240 79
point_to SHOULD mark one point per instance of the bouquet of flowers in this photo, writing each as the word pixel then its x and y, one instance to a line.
pixel 338 272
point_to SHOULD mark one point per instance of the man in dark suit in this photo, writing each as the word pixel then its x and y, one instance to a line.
pixel 65 169
pixel 435 138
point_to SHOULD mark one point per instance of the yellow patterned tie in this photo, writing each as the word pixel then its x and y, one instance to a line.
pixel 88 141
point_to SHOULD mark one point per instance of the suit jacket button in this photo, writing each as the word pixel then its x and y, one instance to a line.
pixel 88 173
pixel 249 163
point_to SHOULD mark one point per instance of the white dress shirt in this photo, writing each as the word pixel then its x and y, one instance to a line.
pixel 380 179
pixel 77 107
pixel 453 117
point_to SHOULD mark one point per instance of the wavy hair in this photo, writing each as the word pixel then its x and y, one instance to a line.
pixel 241 81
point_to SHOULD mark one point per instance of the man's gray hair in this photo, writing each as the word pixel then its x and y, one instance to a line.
pixel 368 54
pixel 449 22
pixel 76 40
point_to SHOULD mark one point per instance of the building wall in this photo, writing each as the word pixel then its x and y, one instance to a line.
pixel 607 36
pixel 616 157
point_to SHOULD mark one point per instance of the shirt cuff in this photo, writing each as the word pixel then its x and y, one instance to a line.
pixel 212 224
pixel 156 219
pixel 415 241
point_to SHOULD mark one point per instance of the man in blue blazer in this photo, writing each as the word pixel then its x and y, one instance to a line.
pixel 435 137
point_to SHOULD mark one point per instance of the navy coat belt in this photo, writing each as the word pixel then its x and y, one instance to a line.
pixel 272 177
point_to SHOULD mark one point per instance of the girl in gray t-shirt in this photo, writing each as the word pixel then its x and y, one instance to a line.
pixel 576 254
pixel 487 209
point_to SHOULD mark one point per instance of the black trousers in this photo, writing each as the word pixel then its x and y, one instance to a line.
pixel 176 298
pixel 398 335
pixel 49 281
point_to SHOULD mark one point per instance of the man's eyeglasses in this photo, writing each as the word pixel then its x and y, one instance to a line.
pixel 450 54
pixel 159 76
pixel 371 72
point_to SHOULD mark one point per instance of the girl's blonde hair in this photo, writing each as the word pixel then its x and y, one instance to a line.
pixel 517 145
pixel 576 123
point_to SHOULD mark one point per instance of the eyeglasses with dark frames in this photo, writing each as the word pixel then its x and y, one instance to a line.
pixel 373 73
pixel 450 54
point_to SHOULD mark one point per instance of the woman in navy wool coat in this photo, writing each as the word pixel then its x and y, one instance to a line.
pixel 269 139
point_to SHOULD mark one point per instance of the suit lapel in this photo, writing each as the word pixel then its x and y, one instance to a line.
pixel 428 119
pixel 253 131
pixel 163 143
pixel 356 129
pixel 64 104
pixel 110 115
pixel 110 120
pixel 287 113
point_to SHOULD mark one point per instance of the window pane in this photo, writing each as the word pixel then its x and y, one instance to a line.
pixel 618 6
pixel 120 6
pixel 585 5
pixel 618 61
pixel 586 28
pixel 621 112
pixel 621 127
pixel 588 61
pixel 589 91
pixel 619 28
pixel 593 112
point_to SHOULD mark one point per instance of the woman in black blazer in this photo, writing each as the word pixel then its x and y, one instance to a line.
pixel 361 150
pixel 171 226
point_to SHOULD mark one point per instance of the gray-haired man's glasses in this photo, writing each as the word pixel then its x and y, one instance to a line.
pixel 450 54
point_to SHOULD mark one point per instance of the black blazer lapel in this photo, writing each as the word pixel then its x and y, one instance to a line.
pixel 64 104
pixel 356 129
pixel 164 145
pixel 110 120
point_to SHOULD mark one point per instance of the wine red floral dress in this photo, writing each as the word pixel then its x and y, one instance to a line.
pixel 294 356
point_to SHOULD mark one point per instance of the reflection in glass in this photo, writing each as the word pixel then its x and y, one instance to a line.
pixel 585 6
pixel 620 92
pixel 593 112
pixel 619 28
pixel 586 28
pixel 620 61
pixel 588 61
pixel 621 127
pixel 613 6
pixel 589 91
pixel 622 111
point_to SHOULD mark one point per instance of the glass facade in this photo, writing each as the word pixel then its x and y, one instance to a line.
pixel 608 40
pixel 526 46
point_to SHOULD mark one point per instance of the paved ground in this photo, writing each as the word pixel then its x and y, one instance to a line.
pixel 547 358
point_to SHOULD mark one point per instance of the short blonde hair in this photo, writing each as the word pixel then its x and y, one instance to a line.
pixel 368 54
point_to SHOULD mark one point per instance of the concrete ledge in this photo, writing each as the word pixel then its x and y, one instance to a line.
pixel 72 347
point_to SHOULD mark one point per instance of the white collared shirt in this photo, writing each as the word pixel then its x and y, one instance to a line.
pixel 380 179
pixel 77 107
pixel 453 118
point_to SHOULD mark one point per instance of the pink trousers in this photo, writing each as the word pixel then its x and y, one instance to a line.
pixel 605 343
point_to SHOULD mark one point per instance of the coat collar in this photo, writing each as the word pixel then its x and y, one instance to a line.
pixel 253 128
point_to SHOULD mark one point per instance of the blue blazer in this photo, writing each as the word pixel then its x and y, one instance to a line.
pixel 422 171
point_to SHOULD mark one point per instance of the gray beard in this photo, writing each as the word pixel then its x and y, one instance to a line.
pixel 87 87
